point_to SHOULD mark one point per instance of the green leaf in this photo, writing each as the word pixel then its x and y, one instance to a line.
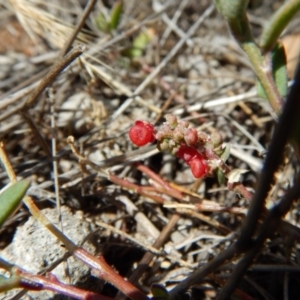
pixel 220 176
pixel 139 44
pixel 115 15
pixel 159 292
pixel 279 73
pixel 10 199
pixel 226 152
pixel 102 24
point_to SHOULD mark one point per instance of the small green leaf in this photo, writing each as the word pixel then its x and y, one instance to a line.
pixel 139 44
pixel 115 15
pixel 10 199
pixel 142 39
pixel 102 24
pixel 159 292
pixel 220 176
pixel 226 152
pixel 279 73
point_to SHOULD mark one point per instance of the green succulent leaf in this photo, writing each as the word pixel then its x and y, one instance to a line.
pixel 10 199
pixel 279 72
pixel 115 15
pixel 101 23
pixel 220 176
pixel 226 152
pixel 139 44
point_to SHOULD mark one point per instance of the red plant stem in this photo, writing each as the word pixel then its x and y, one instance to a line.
pixel 38 282
pixel 107 273
pixel 137 188
pixel 239 188
pixel 153 175
pixel 159 180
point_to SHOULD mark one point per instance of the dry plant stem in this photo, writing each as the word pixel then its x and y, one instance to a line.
pixel 196 276
pixel 115 279
pixel 36 133
pixel 144 190
pixel 205 219
pixel 54 153
pixel 33 97
pixel 6 163
pixel 270 224
pixel 207 208
pixel 53 73
pixel 136 188
pixel 126 236
pixel 159 180
pixel 144 262
pixel 72 38
pixel 55 169
pixel 102 269
pixel 25 83
pixel 46 81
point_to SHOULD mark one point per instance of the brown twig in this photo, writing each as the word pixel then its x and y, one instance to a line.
pixel 53 73
pixel 78 27
pixel 144 262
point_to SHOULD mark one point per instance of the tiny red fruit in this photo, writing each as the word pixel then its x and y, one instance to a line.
pixel 194 159
pixel 186 153
pixel 142 133
pixel 198 166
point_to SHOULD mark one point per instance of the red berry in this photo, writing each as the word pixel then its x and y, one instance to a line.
pixel 194 159
pixel 142 133
pixel 187 153
pixel 198 166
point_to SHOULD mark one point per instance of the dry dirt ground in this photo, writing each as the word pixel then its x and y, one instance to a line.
pixel 190 67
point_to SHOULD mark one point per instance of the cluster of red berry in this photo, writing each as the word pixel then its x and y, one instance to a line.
pixel 177 137
pixel 194 159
